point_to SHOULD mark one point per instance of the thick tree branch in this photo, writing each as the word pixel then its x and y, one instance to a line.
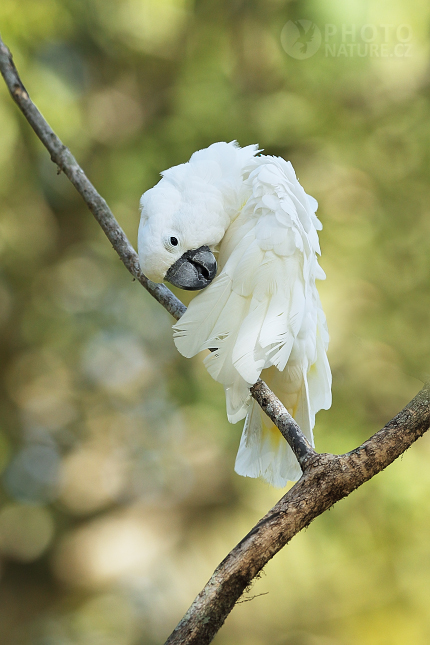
pixel 327 478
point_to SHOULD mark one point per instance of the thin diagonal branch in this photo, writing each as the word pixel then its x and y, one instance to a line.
pixel 280 416
pixel 64 159
pixel 327 478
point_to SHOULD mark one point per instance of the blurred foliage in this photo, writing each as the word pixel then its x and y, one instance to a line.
pixel 118 494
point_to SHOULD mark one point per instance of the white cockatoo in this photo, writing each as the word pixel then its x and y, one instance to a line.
pixel 258 311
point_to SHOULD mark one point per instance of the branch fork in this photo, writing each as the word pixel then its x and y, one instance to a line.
pixel 326 478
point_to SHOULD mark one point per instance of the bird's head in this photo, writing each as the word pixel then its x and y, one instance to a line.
pixel 182 220
pixel 185 216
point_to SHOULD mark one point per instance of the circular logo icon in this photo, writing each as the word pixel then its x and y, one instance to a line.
pixel 300 39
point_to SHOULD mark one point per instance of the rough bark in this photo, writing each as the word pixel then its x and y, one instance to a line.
pixel 326 478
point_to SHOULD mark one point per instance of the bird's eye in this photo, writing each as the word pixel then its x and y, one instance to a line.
pixel 174 241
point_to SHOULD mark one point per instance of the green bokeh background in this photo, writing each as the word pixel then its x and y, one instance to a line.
pixel 118 496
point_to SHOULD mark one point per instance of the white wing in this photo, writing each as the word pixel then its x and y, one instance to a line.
pixel 262 312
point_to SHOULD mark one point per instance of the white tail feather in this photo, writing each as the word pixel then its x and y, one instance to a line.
pixel 263 452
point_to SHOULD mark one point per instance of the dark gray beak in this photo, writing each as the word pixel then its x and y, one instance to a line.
pixel 194 270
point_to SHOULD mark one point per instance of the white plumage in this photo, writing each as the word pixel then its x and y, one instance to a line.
pixel 261 314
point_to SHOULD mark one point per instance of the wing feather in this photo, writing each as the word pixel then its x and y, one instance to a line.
pixel 196 325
